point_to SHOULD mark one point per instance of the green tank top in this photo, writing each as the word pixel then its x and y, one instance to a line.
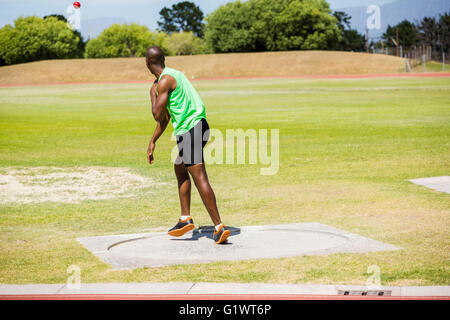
pixel 185 106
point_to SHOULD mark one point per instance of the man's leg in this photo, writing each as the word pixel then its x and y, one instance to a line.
pixel 184 188
pixel 192 154
pixel 201 181
pixel 185 223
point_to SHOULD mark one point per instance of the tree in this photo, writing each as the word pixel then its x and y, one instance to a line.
pixel 306 25
pixel 123 41
pixel 407 34
pixel 444 31
pixel 343 20
pixel 351 40
pixel 33 38
pixel 233 28
pixel 167 24
pixel 429 32
pixel 81 43
pixel 183 16
pixel 60 17
pixel 259 25
pixel 183 43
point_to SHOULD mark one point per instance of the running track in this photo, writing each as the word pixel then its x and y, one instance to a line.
pixel 210 297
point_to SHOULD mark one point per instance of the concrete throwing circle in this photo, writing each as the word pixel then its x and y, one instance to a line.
pixel 158 249
pixel 245 243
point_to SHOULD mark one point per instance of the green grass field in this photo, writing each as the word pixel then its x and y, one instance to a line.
pixel 347 148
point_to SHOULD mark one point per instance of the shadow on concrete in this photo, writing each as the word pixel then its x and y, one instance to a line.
pixel 208 231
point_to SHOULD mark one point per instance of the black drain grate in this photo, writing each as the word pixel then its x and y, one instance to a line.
pixel 365 292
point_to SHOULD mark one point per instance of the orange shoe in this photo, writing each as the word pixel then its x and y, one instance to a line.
pixel 221 235
pixel 182 227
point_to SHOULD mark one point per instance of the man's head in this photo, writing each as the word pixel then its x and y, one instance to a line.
pixel 155 59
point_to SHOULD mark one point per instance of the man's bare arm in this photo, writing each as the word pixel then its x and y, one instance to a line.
pixel 159 102
pixel 159 111
pixel 160 127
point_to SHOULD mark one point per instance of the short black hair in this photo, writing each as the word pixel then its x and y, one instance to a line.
pixel 155 55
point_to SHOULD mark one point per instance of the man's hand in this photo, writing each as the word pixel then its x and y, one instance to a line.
pixel 150 150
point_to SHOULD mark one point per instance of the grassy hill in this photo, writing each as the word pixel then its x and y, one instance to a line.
pixel 291 63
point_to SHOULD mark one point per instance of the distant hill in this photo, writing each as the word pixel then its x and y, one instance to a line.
pixel 290 63
pixel 394 12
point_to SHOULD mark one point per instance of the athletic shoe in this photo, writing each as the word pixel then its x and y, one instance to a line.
pixel 221 235
pixel 182 227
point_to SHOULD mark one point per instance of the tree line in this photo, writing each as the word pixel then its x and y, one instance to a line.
pixel 430 31
pixel 253 25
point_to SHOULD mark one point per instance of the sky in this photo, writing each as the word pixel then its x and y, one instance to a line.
pixel 140 11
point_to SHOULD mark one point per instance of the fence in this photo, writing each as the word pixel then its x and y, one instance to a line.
pixel 415 55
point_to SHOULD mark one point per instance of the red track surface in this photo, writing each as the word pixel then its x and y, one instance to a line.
pixel 348 76
pixel 343 76
pixel 206 297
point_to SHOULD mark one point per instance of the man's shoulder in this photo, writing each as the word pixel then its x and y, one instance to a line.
pixel 168 71
pixel 169 79
pixel 174 73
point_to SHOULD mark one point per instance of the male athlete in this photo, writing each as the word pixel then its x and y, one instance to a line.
pixel 173 97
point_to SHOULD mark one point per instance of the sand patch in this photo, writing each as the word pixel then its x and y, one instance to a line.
pixel 69 185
